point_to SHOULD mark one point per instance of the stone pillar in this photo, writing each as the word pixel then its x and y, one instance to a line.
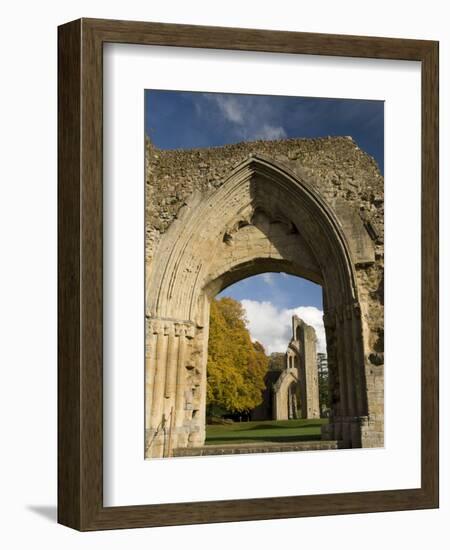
pixel 150 356
pixel 310 370
pixel 181 439
pixel 156 433
pixel 293 395
pixel 291 403
pixel 276 408
pixel 304 343
pixel 350 422
pixel 168 422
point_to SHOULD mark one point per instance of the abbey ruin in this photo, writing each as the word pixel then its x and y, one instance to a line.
pixel 307 207
pixel 293 391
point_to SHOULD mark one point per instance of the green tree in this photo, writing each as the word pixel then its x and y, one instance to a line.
pixel 236 365
pixel 324 393
pixel 277 361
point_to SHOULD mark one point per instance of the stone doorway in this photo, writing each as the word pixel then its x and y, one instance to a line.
pixel 263 217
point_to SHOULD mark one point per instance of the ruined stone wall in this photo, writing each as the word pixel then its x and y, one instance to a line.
pixel 336 166
pixel 346 178
pixel 340 170
pixel 304 342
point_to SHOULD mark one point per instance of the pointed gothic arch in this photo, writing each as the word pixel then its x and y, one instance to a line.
pixel 262 218
pixel 282 393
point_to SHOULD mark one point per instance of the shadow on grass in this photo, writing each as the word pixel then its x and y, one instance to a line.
pixel 218 440
pixel 276 426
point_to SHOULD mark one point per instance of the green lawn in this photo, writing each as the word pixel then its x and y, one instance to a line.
pixel 275 431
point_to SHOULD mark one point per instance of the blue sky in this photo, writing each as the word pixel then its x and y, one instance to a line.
pixel 186 120
pixel 285 290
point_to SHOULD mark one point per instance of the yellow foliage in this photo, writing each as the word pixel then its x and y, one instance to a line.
pixel 236 366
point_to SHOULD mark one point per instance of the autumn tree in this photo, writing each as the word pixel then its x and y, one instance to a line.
pixel 236 365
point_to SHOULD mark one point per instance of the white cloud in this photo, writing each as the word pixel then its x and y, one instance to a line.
pixel 273 327
pixel 248 116
pixel 231 107
pixel 269 132
pixel 314 317
pixel 268 279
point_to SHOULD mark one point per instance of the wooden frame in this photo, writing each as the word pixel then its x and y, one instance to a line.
pixel 80 416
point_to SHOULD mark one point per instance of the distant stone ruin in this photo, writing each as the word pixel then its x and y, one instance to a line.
pixel 308 207
pixel 293 391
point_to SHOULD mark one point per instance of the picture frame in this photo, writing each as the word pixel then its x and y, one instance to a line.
pixel 80 275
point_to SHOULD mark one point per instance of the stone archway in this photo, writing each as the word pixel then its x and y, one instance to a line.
pixel 262 218
pixel 283 391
